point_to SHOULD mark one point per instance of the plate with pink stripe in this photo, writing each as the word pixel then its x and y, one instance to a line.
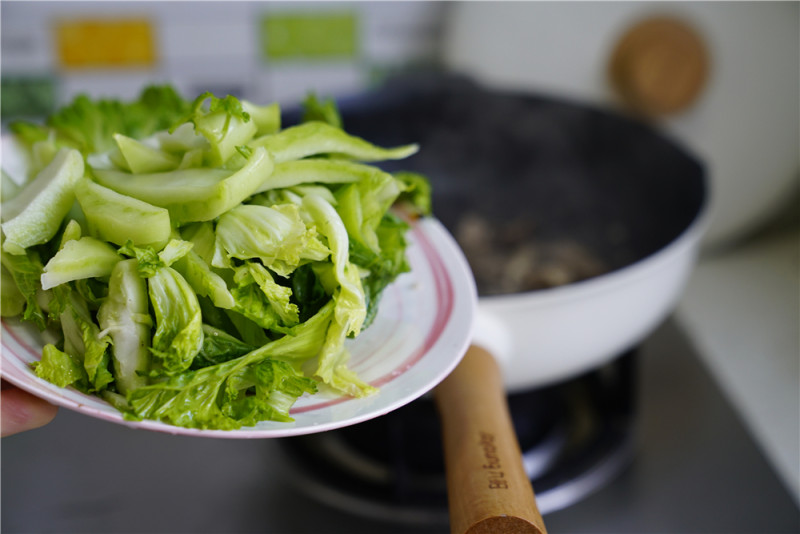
pixel 421 331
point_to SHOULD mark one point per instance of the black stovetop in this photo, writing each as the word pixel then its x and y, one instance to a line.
pixel 695 468
pixel 575 437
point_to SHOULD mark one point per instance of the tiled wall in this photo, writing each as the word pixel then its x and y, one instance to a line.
pixel 264 51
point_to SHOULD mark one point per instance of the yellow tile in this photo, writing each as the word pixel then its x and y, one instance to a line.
pixel 105 43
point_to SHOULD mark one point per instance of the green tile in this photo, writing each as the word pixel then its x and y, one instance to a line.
pixel 328 36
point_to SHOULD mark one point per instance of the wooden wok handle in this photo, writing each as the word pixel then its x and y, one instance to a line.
pixel 488 489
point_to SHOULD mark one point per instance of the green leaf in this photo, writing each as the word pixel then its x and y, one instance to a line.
pixel 158 108
pixel 225 396
pixel 256 285
pixel 204 280
pixel 29 133
pixel 266 118
pixel 202 237
pixel 147 258
pixel 83 339
pixel 332 367
pixel 382 267
pixel 182 139
pixel 8 188
pixel 363 204
pixel 86 257
pixel 142 158
pixel 251 317
pixel 219 347
pixel 93 123
pixel 125 318
pixel 326 111
pixel 320 171
pixel 417 194
pixel 61 369
pixel 260 385
pixel 174 251
pixel 317 138
pixel 224 123
pixel 72 231
pixel 348 382
pixel 34 215
pixel 93 290
pixel 26 271
pixel 276 235
pixel 192 194
pixel 120 218
pixel 350 305
pixel 179 323
pixel 89 125
pixel 307 292
pixel 12 301
pixel 279 296
pixel 252 304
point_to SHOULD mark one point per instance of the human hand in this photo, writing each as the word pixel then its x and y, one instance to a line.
pixel 21 411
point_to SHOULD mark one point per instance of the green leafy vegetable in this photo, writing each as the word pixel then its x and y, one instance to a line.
pixel 199 263
pixel 89 125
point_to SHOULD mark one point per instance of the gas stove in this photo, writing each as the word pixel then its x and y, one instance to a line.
pixel 676 458
pixel 575 438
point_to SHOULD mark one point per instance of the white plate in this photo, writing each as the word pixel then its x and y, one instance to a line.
pixel 419 335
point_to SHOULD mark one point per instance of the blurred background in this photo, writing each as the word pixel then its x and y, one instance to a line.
pixel 723 81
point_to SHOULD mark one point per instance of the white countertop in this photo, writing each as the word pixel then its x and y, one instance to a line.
pixel 741 308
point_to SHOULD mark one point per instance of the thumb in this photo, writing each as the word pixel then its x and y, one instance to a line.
pixel 21 411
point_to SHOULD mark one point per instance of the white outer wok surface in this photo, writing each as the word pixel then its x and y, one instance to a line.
pixel 542 337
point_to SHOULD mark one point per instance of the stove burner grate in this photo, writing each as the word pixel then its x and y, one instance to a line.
pixel 575 437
